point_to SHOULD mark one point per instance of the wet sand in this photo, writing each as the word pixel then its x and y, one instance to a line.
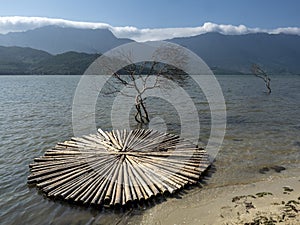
pixel 274 201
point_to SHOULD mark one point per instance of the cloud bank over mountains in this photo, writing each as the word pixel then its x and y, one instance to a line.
pixel 18 23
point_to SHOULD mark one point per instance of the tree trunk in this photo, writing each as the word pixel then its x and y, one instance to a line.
pixel 141 115
pixel 268 80
pixel 146 116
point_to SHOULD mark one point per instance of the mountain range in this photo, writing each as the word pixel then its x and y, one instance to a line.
pixel 57 50
pixel 57 40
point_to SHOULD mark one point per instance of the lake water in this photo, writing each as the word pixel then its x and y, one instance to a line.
pixel 36 113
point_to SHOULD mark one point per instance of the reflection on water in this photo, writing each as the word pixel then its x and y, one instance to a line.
pixel 35 113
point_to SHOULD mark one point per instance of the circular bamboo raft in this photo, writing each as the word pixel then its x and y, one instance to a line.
pixel 118 167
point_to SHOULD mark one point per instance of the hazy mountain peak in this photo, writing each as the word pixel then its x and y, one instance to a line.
pixel 55 39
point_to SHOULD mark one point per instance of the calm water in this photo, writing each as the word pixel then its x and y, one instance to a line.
pixel 35 113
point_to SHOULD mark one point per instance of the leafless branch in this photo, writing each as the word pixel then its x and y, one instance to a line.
pixel 143 76
pixel 259 72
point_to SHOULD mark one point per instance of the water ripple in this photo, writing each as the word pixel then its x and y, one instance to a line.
pixel 35 113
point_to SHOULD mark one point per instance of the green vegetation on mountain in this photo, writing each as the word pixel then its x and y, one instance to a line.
pixel 18 60
pixel 66 63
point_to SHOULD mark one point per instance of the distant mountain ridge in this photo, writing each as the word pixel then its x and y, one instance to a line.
pixel 278 53
pixel 225 54
pixel 57 40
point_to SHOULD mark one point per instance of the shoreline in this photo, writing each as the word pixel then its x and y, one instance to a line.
pixel 274 201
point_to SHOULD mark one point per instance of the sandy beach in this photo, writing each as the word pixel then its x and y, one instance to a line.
pixel 274 201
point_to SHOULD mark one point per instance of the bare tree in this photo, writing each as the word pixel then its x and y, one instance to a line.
pixel 258 72
pixel 144 76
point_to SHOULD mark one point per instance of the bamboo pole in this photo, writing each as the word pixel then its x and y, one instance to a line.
pixel 119 187
pixel 108 195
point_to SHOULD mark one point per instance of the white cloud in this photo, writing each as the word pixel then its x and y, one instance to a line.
pixel 286 30
pixel 18 23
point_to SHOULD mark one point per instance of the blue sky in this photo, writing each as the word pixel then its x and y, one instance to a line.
pixel 161 14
